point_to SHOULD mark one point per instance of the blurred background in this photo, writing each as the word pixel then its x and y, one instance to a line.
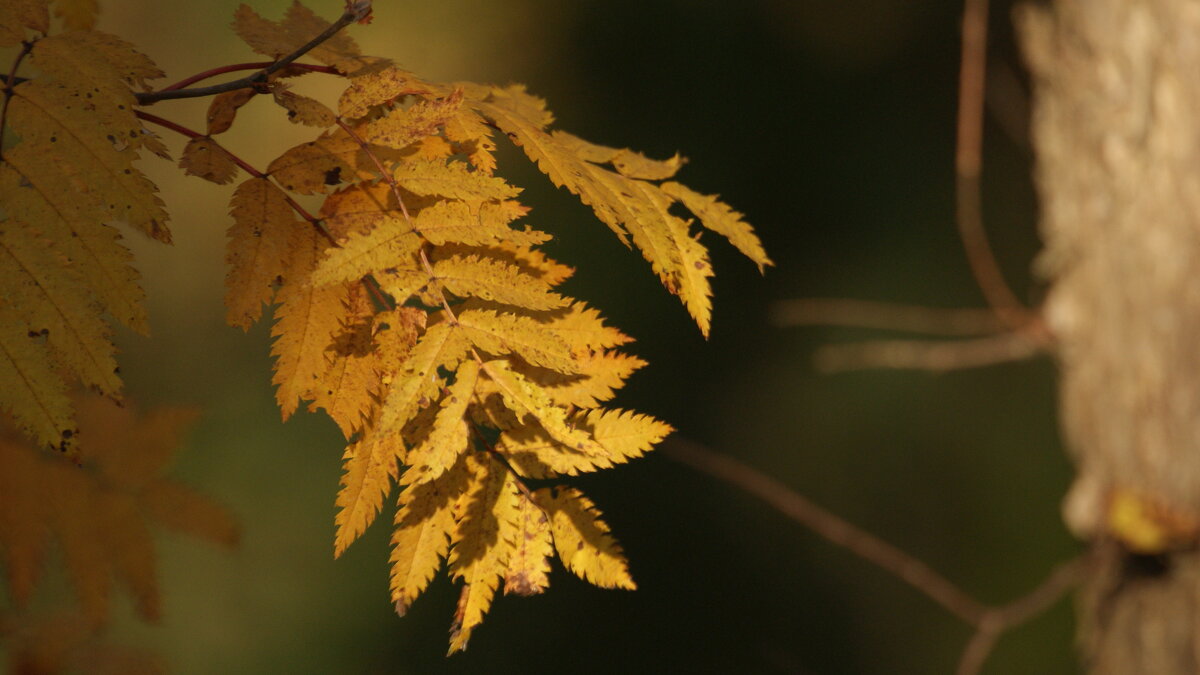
pixel 830 124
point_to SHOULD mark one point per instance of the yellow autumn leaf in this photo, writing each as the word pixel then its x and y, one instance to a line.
pixel 358 209
pixel 527 399
pixel 391 244
pixel 107 63
pixel 19 15
pixel 491 279
pixel 481 544
pixel 205 158
pixel 261 243
pixel 367 474
pixel 372 461
pixel 598 375
pixel 450 435
pixel 30 389
pixel 223 109
pixel 628 163
pixel 62 121
pixel 453 180
pixel 44 292
pixel 31 190
pixel 499 334
pixel 402 127
pixel 306 321
pixel 471 134
pixel 374 87
pixel 349 387
pixel 302 109
pixel 299 25
pixel 720 218
pixel 528 570
pixel 680 261
pixel 623 435
pixel 478 224
pixel 424 523
pixel 311 168
pixel 582 540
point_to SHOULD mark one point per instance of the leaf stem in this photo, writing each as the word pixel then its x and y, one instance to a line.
pixel 9 83
pixel 349 16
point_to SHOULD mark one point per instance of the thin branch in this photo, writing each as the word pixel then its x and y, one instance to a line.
pixel 257 65
pixel 1000 620
pixel 989 622
pixel 967 163
pixel 368 281
pixel 193 134
pixel 885 316
pixel 349 16
pixel 829 526
pixel 934 356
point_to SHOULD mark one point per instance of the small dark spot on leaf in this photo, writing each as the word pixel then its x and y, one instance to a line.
pixel 333 176
pixel 68 433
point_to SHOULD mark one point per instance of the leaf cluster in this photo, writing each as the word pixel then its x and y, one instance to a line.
pixel 416 307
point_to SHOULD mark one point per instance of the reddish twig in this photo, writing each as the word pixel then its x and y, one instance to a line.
pixel 989 622
pixel 193 134
pixel 371 285
pixel 967 164
pixel 348 17
pixel 257 65
pixel 885 316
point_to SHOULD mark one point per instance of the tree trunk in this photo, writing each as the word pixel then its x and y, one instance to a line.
pixel 1116 127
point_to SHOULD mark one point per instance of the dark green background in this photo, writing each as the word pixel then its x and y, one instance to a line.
pixel 830 124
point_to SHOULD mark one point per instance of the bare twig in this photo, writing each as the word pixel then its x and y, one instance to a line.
pixel 348 17
pixel 989 622
pixel 233 68
pixel 837 531
pixel 885 316
pixel 999 620
pixel 967 163
pixel 368 282
pixel 934 356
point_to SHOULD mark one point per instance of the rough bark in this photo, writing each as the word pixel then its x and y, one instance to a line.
pixel 1116 128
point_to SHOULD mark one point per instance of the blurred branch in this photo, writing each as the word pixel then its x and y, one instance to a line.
pixel 934 356
pixel 1000 620
pixel 990 623
pixel 829 526
pixel 885 316
pixel 967 164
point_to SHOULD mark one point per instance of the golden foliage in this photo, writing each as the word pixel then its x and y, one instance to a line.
pixel 416 308
pixel 69 131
